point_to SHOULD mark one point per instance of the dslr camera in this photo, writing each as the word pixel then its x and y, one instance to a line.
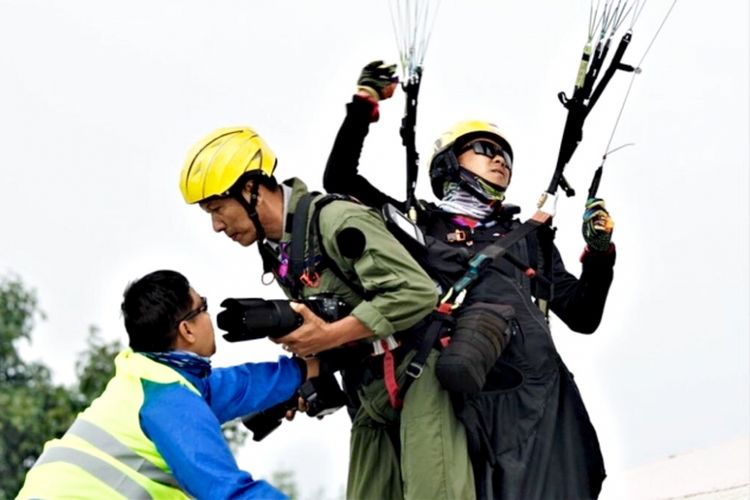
pixel 250 319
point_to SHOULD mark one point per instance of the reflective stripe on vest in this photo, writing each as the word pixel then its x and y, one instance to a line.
pixel 109 431
pixel 98 468
pixel 107 443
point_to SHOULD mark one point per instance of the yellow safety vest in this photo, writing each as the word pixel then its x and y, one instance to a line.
pixel 105 454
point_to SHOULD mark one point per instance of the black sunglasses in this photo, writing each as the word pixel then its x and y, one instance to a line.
pixel 195 312
pixel 488 149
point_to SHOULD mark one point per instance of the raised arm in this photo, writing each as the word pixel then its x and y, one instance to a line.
pixel 341 175
pixel 580 302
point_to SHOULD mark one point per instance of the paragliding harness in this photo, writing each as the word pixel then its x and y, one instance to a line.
pixel 578 108
pixel 410 23
pixel 308 259
pixel 441 323
pixel 581 103
pixel 305 265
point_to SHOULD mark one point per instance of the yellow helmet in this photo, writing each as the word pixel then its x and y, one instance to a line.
pixel 220 159
pixel 444 162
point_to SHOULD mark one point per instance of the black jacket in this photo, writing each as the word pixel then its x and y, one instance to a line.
pixel 528 430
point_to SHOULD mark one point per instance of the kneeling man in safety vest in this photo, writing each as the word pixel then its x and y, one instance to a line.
pixel 155 431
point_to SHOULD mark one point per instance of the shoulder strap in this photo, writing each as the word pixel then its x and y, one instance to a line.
pixel 314 258
pixel 487 256
pixel 299 233
pixel 326 261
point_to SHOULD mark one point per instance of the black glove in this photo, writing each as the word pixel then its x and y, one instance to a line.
pixel 597 225
pixel 376 77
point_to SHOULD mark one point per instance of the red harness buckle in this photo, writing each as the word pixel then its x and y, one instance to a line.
pixel 310 280
pixel 444 308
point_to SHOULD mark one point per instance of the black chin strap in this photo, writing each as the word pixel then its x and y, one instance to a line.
pixel 270 261
pixel 252 211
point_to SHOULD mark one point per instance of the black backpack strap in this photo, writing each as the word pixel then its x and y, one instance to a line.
pixel 326 260
pixel 307 256
pixel 298 240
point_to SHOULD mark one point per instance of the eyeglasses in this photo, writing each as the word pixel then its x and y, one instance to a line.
pixel 488 149
pixel 195 312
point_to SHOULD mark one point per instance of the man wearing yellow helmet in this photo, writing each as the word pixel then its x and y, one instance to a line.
pixel 314 244
pixel 529 434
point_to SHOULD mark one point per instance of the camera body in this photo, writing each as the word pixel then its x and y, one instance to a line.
pixel 322 395
pixel 250 319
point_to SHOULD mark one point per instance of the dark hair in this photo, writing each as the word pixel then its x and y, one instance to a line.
pixel 264 180
pixel 151 307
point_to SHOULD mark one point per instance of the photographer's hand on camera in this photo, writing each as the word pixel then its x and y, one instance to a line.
pixel 315 335
pixel 313 370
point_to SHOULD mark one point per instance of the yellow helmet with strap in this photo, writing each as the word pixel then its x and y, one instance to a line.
pixel 444 163
pixel 222 158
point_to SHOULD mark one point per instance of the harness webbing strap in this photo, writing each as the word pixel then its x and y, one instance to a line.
pixel 491 253
pixel 252 211
pixel 415 368
pixel 299 232
pixel 498 249
pixel 389 376
pixel 326 261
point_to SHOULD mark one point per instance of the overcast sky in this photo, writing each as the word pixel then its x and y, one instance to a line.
pixel 100 102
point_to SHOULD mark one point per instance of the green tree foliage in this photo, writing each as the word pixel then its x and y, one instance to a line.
pixel 94 367
pixel 33 408
pixel 284 480
pixel 18 310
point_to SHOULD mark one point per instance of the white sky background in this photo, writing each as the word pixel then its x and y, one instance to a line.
pixel 100 102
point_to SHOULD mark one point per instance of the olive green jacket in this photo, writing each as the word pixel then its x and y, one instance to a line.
pixel 401 292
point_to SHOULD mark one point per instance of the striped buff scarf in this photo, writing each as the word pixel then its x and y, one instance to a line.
pixel 184 360
pixel 459 201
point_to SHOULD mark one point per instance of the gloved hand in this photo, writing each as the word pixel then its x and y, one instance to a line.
pixel 378 79
pixel 597 225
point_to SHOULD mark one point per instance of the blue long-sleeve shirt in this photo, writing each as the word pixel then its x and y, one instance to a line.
pixel 186 428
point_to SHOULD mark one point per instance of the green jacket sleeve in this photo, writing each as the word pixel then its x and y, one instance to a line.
pixel 401 292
